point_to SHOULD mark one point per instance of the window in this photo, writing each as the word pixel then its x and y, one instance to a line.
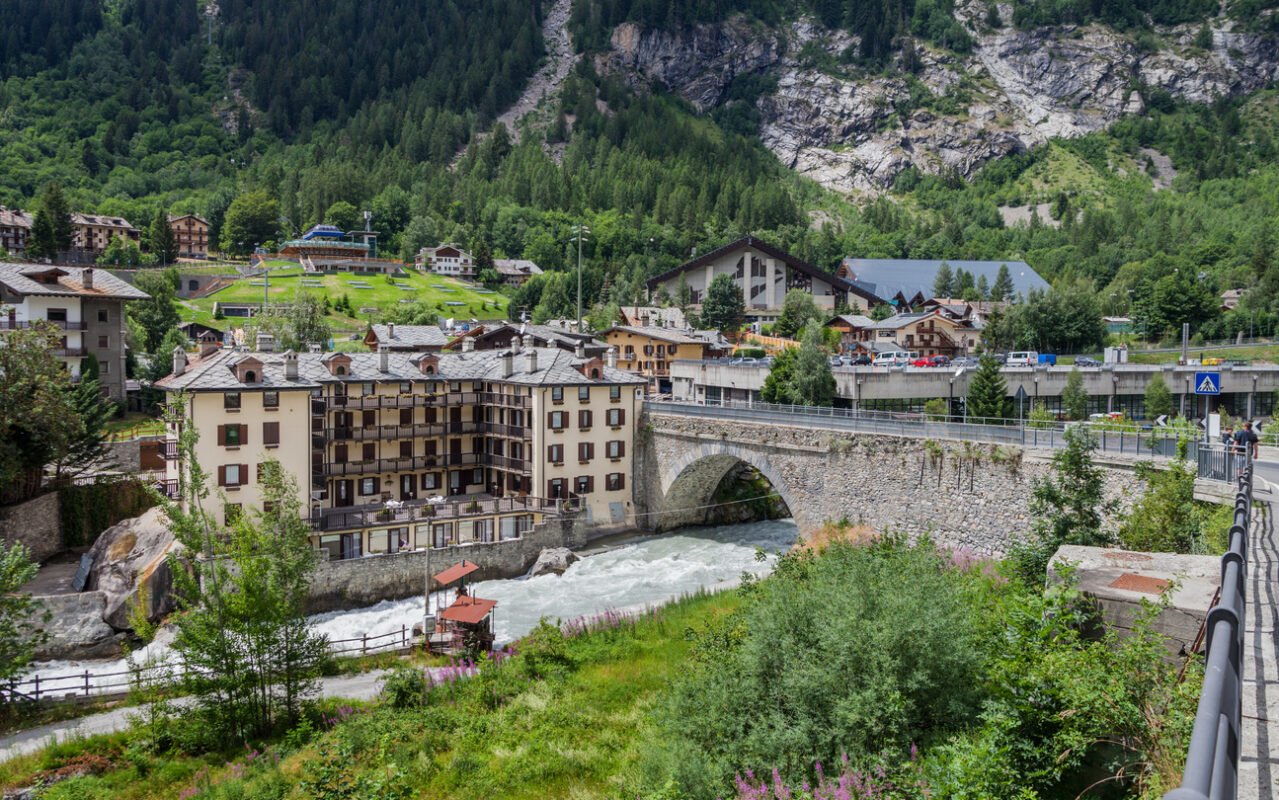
pixel 614 482
pixel 555 454
pixel 368 486
pixel 616 448
pixel 431 480
pixel 406 387
pixel 555 489
pixel 558 420
pixel 104 316
pixel 477 476
pixel 341 370
pixel 367 389
pixel 268 507
pixel 585 451
pixel 105 367
pixel 614 393
pixel 232 435
pixel 270 433
pixel 584 419
pixel 616 417
pixel 231 401
pixel 557 394
pixel 583 394
pixel 104 342
pixel 232 512
pixel 406 416
pixel 369 451
pixel 584 484
pixel 57 315
pixel 406 448
pixel 232 475
pixel 378 541
pixel 270 399
pixel 339 454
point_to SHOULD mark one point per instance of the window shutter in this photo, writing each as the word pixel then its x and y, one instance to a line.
pixel 621 416
pixel 270 433
pixel 550 419
pixel 590 450
pixel 590 483
pixel 221 437
pixel 621 449
pixel 621 481
pixel 244 435
pixel 221 470
pixel 244 474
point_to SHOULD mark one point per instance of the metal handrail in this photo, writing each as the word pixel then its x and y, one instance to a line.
pixel 1212 760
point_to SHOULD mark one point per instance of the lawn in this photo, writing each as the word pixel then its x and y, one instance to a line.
pixel 575 731
pixel 452 297
pixel 133 425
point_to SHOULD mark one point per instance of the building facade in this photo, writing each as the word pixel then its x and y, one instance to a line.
pixel 648 351
pixel 447 259
pixel 764 274
pixel 394 451
pixel 15 229
pixel 192 233
pixel 930 333
pixel 85 304
pixel 94 232
pixel 516 271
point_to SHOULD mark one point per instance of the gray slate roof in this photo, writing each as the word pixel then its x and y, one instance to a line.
pixel 886 277
pixel 215 373
pixel 409 336
pixel 856 320
pixel 516 266
pixel 105 285
pixel 898 321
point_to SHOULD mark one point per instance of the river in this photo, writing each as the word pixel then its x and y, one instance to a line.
pixel 624 574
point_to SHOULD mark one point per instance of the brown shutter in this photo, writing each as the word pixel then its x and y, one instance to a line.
pixel 550 419
pixel 270 433
pixel 621 416
pixel 621 480
pixel 590 449
pixel 244 474
pixel 244 435
pixel 221 438
pixel 590 483
pixel 221 470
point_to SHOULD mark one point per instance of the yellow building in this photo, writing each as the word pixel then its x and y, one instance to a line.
pixel 648 350
pixel 399 451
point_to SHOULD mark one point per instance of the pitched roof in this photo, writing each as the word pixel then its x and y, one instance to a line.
pixel 899 321
pixel 468 610
pixel 18 278
pixel 888 277
pixel 764 247
pixel 214 373
pixel 665 334
pixel 856 320
pixel 14 218
pixel 550 334
pixel 455 572
pixel 409 336
pixel 516 266
pixel 101 219
pixel 669 317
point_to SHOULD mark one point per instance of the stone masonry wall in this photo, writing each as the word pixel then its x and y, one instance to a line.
pixel 960 493
pixel 363 581
pixel 35 523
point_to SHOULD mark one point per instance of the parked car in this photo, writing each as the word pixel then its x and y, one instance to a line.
pixel 744 362
pixel 965 361
pixel 836 361
pixel 861 361
pixel 1086 361
pixel 895 359
pixel 1022 358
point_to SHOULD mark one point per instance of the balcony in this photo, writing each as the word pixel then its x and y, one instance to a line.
pixel 421 430
pixel 69 352
pixel 13 325
pixel 459 507
pixel 169 451
pixel 168 488
pixel 379 466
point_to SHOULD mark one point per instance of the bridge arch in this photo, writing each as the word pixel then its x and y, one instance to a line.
pixel 688 482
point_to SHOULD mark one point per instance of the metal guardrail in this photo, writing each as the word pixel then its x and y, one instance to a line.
pixel 1051 436
pixel 1212 761
pixel 1217 462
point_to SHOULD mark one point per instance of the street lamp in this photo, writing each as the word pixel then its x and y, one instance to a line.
pixel 580 232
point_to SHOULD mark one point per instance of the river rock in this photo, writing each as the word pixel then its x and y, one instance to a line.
pixel 129 556
pixel 75 627
pixel 553 560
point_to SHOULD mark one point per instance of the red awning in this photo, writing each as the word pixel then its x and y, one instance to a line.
pixel 468 610
pixel 455 573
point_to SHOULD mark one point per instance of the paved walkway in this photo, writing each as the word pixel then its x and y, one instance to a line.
pixel 1259 759
pixel 364 686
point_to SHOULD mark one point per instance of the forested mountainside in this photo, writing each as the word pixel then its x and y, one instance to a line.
pixel 1152 213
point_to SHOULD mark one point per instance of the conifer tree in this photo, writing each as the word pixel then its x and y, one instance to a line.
pixel 164 242
pixel 723 308
pixel 1003 288
pixel 944 283
pixel 988 391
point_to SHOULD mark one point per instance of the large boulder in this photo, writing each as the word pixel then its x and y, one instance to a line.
pixel 74 627
pixel 130 558
pixel 553 560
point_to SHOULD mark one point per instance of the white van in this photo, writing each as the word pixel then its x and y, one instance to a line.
pixel 1022 358
pixel 898 358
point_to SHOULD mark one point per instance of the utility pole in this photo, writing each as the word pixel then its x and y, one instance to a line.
pixel 580 232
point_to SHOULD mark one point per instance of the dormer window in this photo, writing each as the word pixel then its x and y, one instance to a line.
pixel 339 369
pixel 338 363
pixel 250 376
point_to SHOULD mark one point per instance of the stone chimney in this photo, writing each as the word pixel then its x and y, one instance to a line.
pixel 580 350
pixel 390 330
pixel 383 360
pixel 610 358
pixel 86 278
pixel 530 360
pixel 517 343
pixel 264 343
pixel 508 363
pixel 468 344
pixel 290 365
pixel 179 360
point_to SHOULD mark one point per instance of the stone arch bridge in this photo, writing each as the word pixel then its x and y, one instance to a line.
pixel 960 492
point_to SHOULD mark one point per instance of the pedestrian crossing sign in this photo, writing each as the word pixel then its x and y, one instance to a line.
pixel 1207 383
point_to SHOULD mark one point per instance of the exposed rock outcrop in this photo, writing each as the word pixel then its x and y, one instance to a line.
pixel 75 628
pixel 854 129
pixel 128 558
pixel 553 560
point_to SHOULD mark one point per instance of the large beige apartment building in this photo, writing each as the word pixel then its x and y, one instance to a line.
pixel 396 451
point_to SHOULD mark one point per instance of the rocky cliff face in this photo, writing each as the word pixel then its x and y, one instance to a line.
pixel 853 130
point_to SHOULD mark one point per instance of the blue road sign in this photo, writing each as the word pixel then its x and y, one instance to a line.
pixel 1207 383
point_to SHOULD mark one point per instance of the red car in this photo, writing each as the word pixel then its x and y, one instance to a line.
pixel 930 361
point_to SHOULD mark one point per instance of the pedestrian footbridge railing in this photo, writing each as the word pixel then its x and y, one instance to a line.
pixel 1212 761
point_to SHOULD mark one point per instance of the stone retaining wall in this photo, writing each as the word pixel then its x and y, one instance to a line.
pixel 960 493
pixel 36 524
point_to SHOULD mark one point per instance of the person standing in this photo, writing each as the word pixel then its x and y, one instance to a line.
pixel 1249 442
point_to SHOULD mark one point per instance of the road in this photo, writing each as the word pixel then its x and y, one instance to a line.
pixel 364 686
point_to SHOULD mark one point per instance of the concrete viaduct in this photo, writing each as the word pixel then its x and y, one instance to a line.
pixel 934 481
